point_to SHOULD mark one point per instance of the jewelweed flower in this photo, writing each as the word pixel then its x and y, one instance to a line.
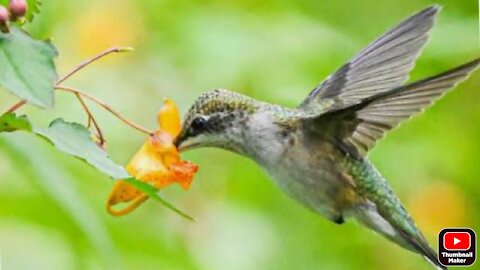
pixel 157 163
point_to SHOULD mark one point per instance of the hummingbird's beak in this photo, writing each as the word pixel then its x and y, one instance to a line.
pixel 183 146
pixel 178 141
pixel 183 143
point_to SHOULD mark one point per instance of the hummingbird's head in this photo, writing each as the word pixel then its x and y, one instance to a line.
pixel 216 119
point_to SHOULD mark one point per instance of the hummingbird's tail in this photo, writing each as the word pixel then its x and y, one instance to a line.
pixel 380 210
pixel 367 214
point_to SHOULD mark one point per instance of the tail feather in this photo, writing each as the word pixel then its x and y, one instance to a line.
pixel 368 216
pixel 421 245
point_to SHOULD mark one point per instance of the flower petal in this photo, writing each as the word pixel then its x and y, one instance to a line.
pixel 169 118
pixel 183 171
pixel 157 163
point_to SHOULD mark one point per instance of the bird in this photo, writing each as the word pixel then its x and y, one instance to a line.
pixel 317 153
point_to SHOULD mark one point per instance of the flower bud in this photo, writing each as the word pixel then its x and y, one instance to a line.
pixel 4 18
pixel 18 8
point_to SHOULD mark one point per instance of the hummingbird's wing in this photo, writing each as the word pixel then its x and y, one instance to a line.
pixel 382 66
pixel 356 129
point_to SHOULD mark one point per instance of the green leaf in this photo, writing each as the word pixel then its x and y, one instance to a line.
pixel 10 122
pixel 33 8
pixel 75 139
pixel 27 68
pixel 152 192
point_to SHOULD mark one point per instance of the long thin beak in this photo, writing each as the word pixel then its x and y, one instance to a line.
pixel 178 141
pixel 183 145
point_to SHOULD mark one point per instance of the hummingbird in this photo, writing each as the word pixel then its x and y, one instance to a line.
pixel 317 152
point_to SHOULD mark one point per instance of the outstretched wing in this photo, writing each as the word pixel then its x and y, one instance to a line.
pixel 356 129
pixel 382 66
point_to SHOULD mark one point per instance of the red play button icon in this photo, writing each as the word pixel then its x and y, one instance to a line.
pixel 457 247
pixel 457 241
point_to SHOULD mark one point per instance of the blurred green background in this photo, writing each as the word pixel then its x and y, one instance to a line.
pixel 52 213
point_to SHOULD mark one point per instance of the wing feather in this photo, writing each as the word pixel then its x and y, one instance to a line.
pixel 363 125
pixel 382 66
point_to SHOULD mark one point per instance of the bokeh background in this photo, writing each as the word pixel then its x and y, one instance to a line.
pixel 52 213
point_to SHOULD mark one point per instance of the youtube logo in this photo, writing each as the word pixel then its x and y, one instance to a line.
pixel 457 247
pixel 457 241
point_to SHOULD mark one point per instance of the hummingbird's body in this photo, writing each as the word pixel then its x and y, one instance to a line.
pixel 316 152
pixel 306 165
pixel 291 156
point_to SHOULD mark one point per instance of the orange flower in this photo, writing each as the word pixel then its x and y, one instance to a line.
pixel 157 163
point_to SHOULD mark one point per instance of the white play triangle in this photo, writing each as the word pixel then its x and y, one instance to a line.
pixel 456 241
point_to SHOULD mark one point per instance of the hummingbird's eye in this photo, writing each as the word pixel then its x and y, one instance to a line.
pixel 198 124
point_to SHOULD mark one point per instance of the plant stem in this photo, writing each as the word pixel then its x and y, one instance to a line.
pixel 89 122
pixel 79 94
pixel 82 65
pixel 91 60
pixel 16 106
pixel 91 119
pixel 105 106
